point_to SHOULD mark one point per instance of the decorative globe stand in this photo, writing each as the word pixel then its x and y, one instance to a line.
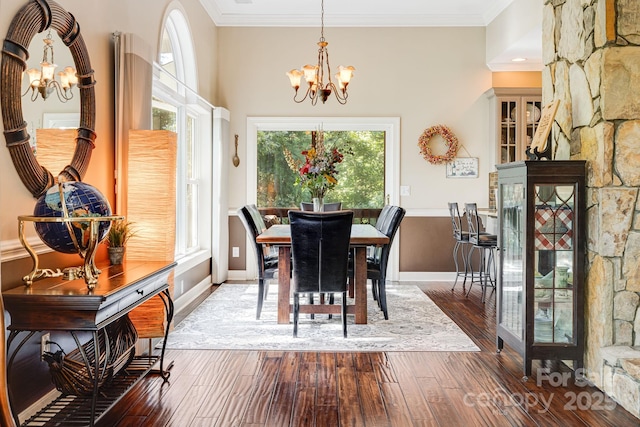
pixel 88 270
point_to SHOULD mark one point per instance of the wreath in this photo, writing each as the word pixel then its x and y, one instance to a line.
pixel 447 135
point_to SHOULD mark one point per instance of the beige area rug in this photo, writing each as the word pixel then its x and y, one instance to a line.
pixel 227 320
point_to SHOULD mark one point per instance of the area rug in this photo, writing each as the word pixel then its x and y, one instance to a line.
pixel 227 320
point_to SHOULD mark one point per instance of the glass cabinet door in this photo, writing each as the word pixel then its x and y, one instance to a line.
pixel 512 252
pixel 553 263
pixel 533 112
pixel 508 131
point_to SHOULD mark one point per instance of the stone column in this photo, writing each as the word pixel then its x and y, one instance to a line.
pixel 591 52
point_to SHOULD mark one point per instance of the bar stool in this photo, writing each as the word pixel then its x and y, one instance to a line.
pixel 461 238
pixel 486 243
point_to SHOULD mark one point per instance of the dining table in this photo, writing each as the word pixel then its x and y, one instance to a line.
pixel 362 236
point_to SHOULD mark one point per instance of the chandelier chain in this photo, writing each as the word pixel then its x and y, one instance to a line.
pixel 322 21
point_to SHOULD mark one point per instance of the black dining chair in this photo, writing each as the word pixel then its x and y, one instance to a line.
pixel 266 260
pixel 388 223
pixel 487 244
pixel 328 207
pixel 320 257
pixel 377 269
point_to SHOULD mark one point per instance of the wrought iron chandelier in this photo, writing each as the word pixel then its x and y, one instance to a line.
pixel 314 75
pixel 43 81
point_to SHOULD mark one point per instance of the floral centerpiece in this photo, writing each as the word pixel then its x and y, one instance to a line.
pixel 318 172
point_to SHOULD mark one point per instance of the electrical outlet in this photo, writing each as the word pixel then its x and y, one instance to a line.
pixel 235 252
pixel 45 346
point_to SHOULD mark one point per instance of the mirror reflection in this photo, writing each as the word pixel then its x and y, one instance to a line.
pixel 52 120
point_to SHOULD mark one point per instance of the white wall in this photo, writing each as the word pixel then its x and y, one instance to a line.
pixel 98 19
pixel 426 76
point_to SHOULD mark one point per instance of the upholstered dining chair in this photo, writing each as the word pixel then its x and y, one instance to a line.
pixel 328 207
pixel 320 257
pixel 388 223
pixel 266 260
pixel 377 268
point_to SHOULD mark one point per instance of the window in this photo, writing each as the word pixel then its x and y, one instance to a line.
pixel 339 127
pixel 177 107
pixel 360 175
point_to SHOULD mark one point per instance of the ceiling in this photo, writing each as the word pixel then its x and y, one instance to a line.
pixel 354 13
pixel 378 13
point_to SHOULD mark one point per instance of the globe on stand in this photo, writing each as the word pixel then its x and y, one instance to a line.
pixel 71 200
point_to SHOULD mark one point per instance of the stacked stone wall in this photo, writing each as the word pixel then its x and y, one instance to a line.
pixel 591 52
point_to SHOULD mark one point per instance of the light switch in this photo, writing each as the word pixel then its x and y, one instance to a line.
pixel 235 252
pixel 405 190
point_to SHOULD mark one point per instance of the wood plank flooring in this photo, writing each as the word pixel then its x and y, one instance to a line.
pixel 271 389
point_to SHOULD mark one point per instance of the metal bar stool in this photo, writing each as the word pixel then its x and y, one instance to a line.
pixel 487 244
pixel 461 238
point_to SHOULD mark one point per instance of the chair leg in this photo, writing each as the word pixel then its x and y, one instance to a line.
pixel 344 314
pixel 382 295
pixel 313 316
pixel 261 293
pixel 296 312
pixel 331 301
pixel 456 249
pixel 469 256
pixel 466 266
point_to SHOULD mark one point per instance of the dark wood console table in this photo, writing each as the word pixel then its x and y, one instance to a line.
pixel 55 304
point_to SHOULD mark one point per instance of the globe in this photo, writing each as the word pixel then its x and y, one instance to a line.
pixel 78 200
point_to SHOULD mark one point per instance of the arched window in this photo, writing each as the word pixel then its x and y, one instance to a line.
pixel 176 106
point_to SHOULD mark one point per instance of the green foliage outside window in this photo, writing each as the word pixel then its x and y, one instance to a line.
pixel 360 176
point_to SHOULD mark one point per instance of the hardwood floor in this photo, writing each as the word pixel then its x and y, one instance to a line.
pixel 260 388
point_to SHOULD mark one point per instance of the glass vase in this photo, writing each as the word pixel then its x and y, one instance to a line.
pixel 318 204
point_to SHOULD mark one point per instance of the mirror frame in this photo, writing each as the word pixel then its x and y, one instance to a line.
pixel 33 18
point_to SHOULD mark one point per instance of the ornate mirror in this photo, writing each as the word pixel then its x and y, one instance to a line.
pixel 36 17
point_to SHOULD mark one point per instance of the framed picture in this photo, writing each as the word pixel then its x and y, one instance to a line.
pixel 61 120
pixel 463 167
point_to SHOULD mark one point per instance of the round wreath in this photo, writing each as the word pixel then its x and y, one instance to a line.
pixel 447 135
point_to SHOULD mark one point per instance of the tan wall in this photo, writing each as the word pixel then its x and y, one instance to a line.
pixel 444 83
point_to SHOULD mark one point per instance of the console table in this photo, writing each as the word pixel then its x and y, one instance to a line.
pixel 56 304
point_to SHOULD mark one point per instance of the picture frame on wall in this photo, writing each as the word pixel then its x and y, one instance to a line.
pixel 463 167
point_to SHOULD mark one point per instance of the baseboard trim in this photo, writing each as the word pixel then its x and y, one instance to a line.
pixel 187 298
pixel 426 276
pixel 38 405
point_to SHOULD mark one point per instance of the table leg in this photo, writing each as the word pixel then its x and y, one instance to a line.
pixel 284 283
pixel 360 276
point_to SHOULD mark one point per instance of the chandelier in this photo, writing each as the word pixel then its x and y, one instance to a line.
pixel 43 81
pixel 314 75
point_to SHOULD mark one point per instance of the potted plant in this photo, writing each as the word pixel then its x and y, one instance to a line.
pixel 119 233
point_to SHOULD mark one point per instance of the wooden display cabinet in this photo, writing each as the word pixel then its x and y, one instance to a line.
pixel 540 298
pixel 515 113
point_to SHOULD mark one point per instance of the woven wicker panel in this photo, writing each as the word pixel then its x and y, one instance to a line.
pixel 151 198
pixel 151 206
pixel 53 147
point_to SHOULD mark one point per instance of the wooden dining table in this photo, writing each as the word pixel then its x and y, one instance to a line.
pixel 362 235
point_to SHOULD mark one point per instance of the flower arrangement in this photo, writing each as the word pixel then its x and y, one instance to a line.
pixel 318 173
pixel 447 135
